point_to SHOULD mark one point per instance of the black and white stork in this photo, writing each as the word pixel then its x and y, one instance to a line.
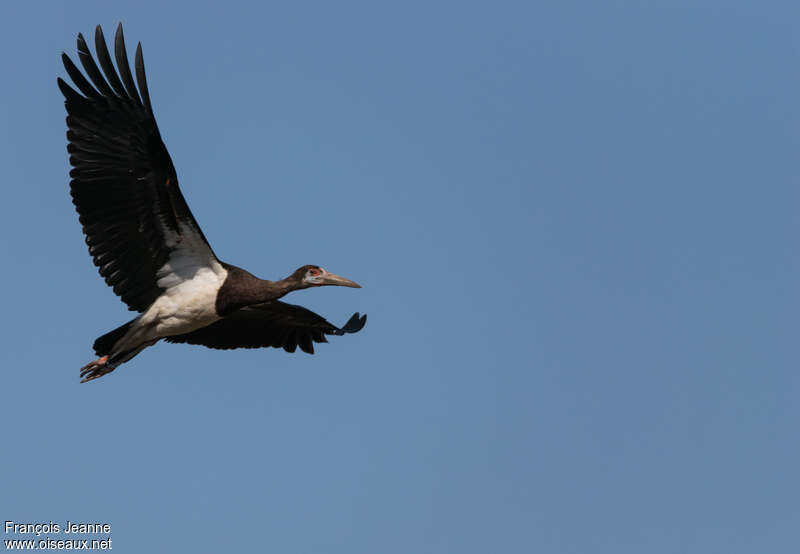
pixel 145 241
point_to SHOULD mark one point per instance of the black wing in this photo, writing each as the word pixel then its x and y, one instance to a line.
pixel 274 323
pixel 124 185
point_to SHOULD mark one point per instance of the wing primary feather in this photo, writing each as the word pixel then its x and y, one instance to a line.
pixel 91 68
pixel 78 78
pixel 122 65
pixel 105 62
pixel 141 78
pixel 69 93
pixel 353 325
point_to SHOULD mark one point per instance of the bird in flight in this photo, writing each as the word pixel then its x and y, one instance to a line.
pixel 145 241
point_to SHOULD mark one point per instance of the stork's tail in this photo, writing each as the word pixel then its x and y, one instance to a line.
pixel 104 344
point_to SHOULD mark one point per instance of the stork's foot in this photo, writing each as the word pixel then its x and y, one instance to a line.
pixel 96 369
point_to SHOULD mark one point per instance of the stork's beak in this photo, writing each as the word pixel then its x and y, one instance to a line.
pixel 331 279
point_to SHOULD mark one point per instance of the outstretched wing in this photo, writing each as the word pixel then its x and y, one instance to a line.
pixel 138 226
pixel 274 323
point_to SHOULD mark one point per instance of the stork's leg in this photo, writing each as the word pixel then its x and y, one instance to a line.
pixel 96 369
pixel 109 363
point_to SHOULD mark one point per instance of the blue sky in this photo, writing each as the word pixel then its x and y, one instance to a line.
pixel 576 227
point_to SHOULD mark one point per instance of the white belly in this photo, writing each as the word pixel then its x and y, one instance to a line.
pixel 190 279
pixel 187 304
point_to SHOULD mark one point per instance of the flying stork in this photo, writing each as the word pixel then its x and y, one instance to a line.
pixel 144 240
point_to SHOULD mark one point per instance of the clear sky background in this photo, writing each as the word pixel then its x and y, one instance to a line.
pixel 576 224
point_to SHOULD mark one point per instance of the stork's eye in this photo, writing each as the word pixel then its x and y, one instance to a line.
pixel 314 271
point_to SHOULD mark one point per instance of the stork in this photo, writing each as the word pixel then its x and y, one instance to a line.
pixel 145 241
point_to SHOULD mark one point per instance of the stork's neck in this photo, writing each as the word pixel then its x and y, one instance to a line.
pixel 276 289
pixel 241 288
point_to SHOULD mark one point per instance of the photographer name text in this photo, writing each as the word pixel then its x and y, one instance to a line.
pixel 50 528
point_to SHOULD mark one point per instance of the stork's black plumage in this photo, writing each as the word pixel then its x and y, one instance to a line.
pixel 145 241
pixel 272 323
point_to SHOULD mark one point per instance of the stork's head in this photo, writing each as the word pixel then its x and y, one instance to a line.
pixel 315 276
